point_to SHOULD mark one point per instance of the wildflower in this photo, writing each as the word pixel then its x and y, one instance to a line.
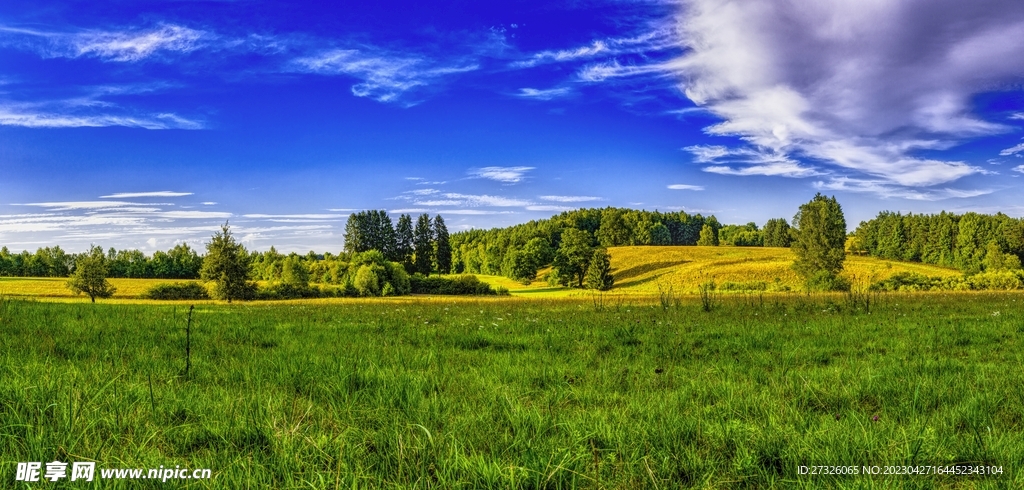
pixel 875 418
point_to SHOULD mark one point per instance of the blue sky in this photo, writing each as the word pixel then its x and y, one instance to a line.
pixel 142 124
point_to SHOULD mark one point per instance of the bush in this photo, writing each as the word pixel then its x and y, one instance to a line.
pixel 178 290
pixel 466 284
pixel 826 281
pixel 288 291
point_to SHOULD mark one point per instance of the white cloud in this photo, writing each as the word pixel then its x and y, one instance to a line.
pixel 121 46
pixel 38 117
pixel 686 187
pixel 208 203
pixel 385 77
pixel 1012 151
pixel 501 174
pixel 569 198
pixel 597 47
pixel 485 200
pixel 297 216
pixel 1017 115
pixel 855 85
pixel 1018 168
pixel 122 195
pixel 886 189
pixel 542 94
pixel 549 208
pixel 422 192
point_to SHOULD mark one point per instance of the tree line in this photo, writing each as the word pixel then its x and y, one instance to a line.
pixel 180 262
pixel 970 242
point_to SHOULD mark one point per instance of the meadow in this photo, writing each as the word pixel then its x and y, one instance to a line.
pixel 602 391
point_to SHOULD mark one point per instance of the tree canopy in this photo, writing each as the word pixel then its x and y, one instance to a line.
pixel 90 276
pixel 820 239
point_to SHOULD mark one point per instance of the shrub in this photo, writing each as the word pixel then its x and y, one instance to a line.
pixel 824 280
pixel 178 290
pixel 908 281
pixel 466 284
pixel 288 291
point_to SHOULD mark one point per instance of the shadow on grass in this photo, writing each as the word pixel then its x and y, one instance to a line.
pixel 632 272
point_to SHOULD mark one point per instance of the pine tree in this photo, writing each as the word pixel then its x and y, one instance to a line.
pixel 227 264
pixel 442 247
pixel 423 245
pixel 599 272
pixel 820 239
pixel 403 241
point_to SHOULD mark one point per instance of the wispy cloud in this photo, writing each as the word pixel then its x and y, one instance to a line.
pixel 509 175
pixel 858 86
pixel 128 45
pixel 312 216
pixel 543 94
pixel 569 198
pixel 549 208
pixel 686 187
pixel 1018 168
pixel 597 47
pixel 385 76
pixel 48 116
pixel 886 189
pixel 124 195
pixel 484 200
pixel 753 161
pixel 1012 150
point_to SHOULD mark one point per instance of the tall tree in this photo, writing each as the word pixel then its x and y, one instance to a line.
pixel 227 264
pixel 573 256
pixel 820 238
pixel 708 236
pixel 442 246
pixel 90 275
pixel 423 245
pixel 776 233
pixel 404 240
pixel 599 271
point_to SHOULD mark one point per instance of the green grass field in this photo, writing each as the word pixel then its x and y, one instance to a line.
pixel 602 392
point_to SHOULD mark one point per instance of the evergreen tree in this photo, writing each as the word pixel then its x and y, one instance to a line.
pixel 403 241
pixel 776 233
pixel 599 271
pixel 442 247
pixel 820 239
pixel 423 245
pixel 90 276
pixel 227 264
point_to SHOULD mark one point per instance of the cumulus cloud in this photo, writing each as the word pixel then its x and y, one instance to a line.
pixel 686 187
pixel 509 175
pixel 858 87
pixel 385 77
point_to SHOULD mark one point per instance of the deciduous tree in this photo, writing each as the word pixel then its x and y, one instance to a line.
pixel 90 275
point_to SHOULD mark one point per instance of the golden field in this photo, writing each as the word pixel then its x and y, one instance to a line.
pixel 637 270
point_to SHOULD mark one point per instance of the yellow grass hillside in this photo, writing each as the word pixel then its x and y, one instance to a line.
pixel 645 269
